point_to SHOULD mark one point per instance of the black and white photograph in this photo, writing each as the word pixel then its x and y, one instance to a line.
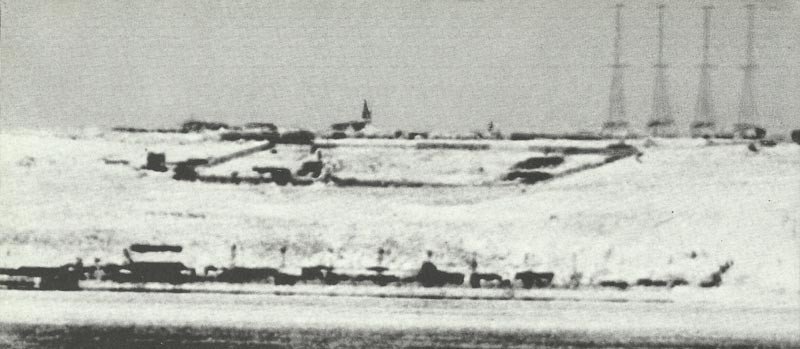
pixel 400 174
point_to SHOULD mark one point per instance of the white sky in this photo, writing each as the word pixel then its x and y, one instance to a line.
pixel 422 64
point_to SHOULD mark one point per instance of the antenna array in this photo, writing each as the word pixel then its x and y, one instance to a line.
pixel 661 123
pixel 617 123
pixel 748 112
pixel 705 121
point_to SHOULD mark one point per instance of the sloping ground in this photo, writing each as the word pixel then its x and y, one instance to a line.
pixel 630 219
pixel 404 161
pixel 470 167
pixel 624 221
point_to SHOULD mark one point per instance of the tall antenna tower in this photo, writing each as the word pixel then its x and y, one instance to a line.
pixel 704 120
pixel 661 123
pixel 748 114
pixel 617 124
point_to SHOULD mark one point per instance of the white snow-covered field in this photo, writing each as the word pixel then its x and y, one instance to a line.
pixel 623 221
pixel 402 162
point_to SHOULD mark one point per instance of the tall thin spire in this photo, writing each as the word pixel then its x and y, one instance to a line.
pixel 661 122
pixel 705 119
pixel 617 123
pixel 366 115
pixel 748 112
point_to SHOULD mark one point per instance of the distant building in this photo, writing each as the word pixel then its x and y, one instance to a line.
pixel 348 126
pixel 344 128
pixel 264 126
pixel 199 126
pixel 748 131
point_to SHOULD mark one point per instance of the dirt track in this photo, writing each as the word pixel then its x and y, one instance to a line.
pixel 102 319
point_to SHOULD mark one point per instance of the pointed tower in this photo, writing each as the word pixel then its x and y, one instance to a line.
pixel 704 119
pixel 661 123
pixel 748 112
pixel 617 123
pixel 366 115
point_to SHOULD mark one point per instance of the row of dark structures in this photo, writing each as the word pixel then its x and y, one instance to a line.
pixel 267 131
pixel 258 131
pixel 309 172
pixel 528 171
pixel 137 273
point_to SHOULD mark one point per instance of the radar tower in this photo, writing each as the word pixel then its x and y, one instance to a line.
pixel 704 120
pixel 617 123
pixel 661 123
pixel 748 112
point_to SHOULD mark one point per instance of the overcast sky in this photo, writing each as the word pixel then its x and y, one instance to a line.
pixel 422 64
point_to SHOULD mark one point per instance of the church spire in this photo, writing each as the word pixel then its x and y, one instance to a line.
pixel 366 115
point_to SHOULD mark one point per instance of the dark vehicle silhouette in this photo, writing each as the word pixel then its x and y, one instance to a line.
pixel 63 278
pixel 430 276
pixel 152 271
pixel 532 279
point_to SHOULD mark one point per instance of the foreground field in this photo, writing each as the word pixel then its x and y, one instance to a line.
pixel 138 320
pixel 124 337
pixel 681 211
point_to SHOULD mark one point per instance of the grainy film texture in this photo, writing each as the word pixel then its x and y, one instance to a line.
pixel 420 173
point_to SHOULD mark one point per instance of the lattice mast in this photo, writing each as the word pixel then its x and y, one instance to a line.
pixel 705 118
pixel 748 113
pixel 661 122
pixel 617 124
